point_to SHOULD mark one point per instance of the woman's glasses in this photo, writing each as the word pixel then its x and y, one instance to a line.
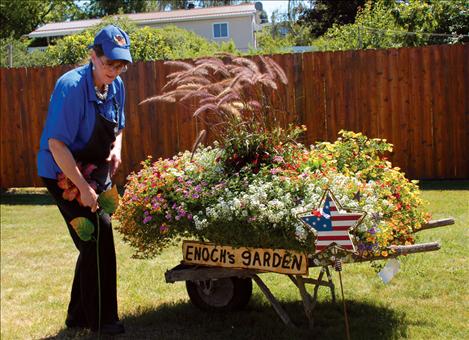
pixel 117 67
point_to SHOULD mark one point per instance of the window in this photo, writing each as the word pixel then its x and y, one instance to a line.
pixel 220 30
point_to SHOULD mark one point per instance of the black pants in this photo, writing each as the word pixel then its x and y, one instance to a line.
pixel 83 307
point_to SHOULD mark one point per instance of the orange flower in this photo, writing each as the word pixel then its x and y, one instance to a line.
pixel 71 192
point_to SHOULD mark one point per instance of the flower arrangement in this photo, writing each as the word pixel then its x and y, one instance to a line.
pixel 249 186
pixel 70 191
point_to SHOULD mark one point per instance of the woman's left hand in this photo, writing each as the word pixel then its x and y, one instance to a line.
pixel 114 160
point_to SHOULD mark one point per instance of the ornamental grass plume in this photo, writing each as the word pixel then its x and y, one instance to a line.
pixel 238 99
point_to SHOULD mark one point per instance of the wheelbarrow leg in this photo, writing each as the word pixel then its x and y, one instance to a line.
pixel 307 303
pixel 316 287
pixel 331 283
pixel 273 301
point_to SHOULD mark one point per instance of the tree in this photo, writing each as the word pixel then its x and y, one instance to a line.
pixel 438 17
pixel 323 14
pixel 390 23
pixel 21 17
pixel 295 9
pixel 374 27
pixel 21 57
pixel 102 8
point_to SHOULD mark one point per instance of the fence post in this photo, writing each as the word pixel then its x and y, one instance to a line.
pixel 360 43
pixel 10 55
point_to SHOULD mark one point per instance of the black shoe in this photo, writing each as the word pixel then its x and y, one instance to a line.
pixel 113 328
pixel 71 323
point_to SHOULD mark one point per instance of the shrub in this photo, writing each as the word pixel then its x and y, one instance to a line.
pixel 167 43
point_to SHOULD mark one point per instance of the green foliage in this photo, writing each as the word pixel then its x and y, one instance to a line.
pixel 433 16
pixel 384 24
pixel 282 34
pixel 269 43
pixel 358 35
pixel 109 200
pixel 121 21
pixel 167 43
pixel 72 49
pixel 324 14
pixel 83 227
pixel 20 55
pixel 21 17
pixel 356 153
pixel 101 8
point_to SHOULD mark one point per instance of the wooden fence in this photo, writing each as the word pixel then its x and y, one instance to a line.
pixel 417 98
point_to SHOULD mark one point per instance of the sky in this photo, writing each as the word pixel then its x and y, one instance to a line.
pixel 271 5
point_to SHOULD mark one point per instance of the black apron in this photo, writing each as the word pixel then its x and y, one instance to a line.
pixel 99 146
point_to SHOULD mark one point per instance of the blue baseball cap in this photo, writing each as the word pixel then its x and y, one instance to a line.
pixel 115 43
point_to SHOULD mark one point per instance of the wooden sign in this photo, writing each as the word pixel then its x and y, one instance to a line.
pixel 268 260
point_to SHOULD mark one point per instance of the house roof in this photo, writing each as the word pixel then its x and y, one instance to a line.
pixel 69 27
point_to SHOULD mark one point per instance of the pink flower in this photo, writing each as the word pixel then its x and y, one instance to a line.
pixel 278 159
pixel 274 171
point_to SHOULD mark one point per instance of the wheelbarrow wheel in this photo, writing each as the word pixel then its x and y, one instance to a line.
pixel 226 294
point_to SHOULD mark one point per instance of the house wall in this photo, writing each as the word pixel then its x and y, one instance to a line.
pixel 240 29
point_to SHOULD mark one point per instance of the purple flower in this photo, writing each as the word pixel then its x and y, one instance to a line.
pixel 147 219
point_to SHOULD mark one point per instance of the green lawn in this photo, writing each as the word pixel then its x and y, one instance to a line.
pixel 427 299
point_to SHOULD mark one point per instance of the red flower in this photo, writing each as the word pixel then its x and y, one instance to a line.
pixel 316 213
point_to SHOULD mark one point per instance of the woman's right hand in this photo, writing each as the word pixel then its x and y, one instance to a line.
pixel 68 165
pixel 89 198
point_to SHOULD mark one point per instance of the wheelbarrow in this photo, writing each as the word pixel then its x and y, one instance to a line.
pixel 218 288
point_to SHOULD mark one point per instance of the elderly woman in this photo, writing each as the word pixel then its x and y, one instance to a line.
pixel 83 132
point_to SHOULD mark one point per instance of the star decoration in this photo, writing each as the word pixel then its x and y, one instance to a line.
pixel 331 223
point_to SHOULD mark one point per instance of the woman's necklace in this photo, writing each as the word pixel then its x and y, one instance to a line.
pixel 101 95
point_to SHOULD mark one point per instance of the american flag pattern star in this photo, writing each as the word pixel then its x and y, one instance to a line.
pixel 331 224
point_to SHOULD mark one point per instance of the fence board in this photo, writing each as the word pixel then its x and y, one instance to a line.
pixel 427 115
pixel 402 145
pixel 440 131
pixel 414 97
pixel 459 143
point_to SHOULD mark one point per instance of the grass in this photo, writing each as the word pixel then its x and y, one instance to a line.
pixel 427 298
